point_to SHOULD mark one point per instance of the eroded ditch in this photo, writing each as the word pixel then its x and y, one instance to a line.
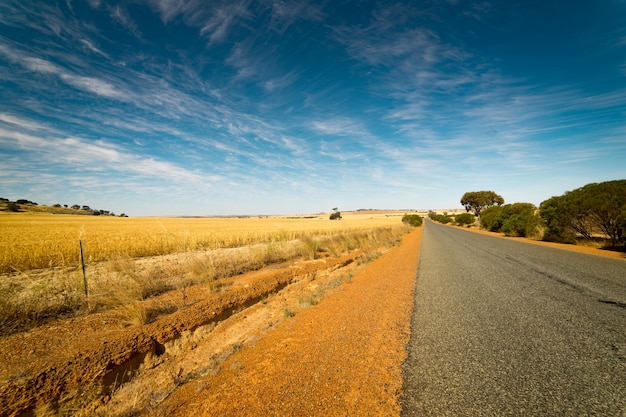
pixel 108 360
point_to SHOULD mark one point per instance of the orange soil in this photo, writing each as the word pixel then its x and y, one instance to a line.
pixel 341 357
pixel 64 357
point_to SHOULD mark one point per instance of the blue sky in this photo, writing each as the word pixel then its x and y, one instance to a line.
pixel 190 107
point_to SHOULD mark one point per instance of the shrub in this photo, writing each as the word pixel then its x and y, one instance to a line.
pixel 412 219
pixel 464 219
pixel 517 219
pixel 13 207
pixel 336 215
pixel 491 219
pixel 441 218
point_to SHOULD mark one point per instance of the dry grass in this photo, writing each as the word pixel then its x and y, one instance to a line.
pixel 124 281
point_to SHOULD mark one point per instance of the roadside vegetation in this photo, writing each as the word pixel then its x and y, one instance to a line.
pixel 594 210
pixel 593 215
pixel 412 219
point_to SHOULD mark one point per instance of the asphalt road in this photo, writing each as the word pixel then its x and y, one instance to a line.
pixel 507 328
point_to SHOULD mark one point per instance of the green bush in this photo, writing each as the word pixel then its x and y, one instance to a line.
pixel 491 219
pixel 593 208
pixel 525 224
pixel 517 219
pixel 441 218
pixel 464 219
pixel 412 219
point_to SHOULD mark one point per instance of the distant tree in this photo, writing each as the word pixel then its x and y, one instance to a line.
pixel 441 218
pixel 65 205
pixel 24 201
pixel 476 201
pixel 14 207
pixel 76 207
pixel 86 208
pixel 57 205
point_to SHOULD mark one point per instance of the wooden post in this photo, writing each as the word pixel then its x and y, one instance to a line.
pixel 82 258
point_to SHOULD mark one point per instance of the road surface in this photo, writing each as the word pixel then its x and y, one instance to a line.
pixel 503 327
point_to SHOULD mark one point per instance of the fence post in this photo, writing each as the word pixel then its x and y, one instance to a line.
pixel 82 259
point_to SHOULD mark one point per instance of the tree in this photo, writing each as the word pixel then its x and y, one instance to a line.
pixel 26 202
pixel 604 203
pixel 476 201
pixel 593 208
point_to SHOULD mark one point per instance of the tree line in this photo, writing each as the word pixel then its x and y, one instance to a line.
pixel 18 205
pixel 596 209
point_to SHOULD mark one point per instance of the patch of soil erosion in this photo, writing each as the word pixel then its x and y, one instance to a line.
pixel 314 336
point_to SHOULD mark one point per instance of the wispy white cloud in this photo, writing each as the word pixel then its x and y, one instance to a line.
pixel 286 12
pixel 18 122
pixel 93 48
pixel 97 155
pixel 89 84
pixel 121 16
pixel 340 127
pixel 223 18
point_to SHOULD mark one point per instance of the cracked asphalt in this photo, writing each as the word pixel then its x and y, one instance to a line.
pixel 507 328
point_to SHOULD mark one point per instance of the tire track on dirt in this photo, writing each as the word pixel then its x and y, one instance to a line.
pixel 340 357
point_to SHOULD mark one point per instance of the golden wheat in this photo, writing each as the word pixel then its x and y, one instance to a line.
pixel 35 241
pixel 122 272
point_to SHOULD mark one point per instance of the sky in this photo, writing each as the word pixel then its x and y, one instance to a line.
pixel 211 107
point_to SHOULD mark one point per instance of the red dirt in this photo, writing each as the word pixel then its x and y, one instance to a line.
pixel 342 357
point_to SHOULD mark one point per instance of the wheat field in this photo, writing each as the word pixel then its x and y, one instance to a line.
pixel 132 259
pixel 37 241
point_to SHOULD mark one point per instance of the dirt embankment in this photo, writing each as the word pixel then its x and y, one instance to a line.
pixel 342 357
pixel 74 365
